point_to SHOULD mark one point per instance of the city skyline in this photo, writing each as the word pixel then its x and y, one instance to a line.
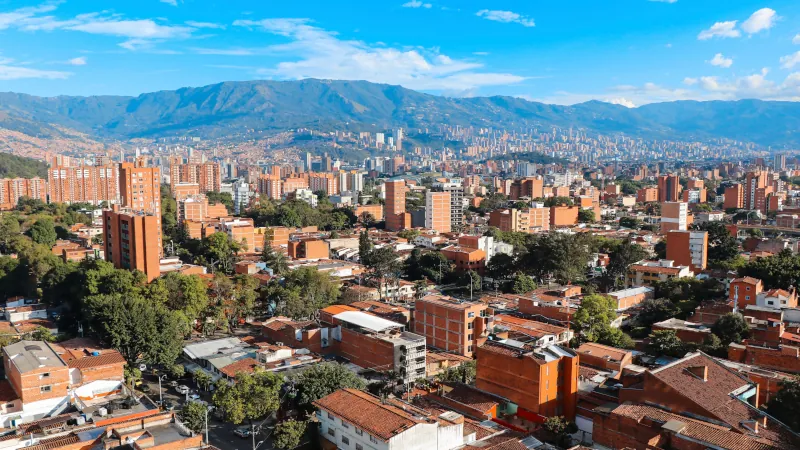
pixel 717 50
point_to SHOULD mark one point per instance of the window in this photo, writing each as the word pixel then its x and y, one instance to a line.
pixel 45 375
pixel 471 325
pixel 469 337
pixel 345 440
pixel 330 416
pixel 344 425
pixel 372 439
pixel 469 348
pixel 9 405
pixel 332 432
pixel 45 388
pixel 472 314
pixel 359 432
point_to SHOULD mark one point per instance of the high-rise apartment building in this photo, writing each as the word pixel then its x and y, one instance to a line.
pixel 140 187
pixel 325 182
pixel 779 162
pixel 755 183
pixel 688 248
pixel 437 211
pixel 132 240
pixel 674 217
pixel 208 175
pixel 669 188
pixel 12 189
pixel 83 184
pixel 734 197
pixel 396 217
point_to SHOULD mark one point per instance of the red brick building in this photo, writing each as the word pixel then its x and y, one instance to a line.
pixel 541 381
pixel 451 325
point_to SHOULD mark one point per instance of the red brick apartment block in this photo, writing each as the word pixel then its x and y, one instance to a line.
pixel 451 325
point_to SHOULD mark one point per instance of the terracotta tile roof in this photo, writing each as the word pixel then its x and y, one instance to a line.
pixel 705 432
pixel 450 302
pixel 54 442
pixel 246 365
pixel 505 441
pixel 713 395
pixel 107 359
pixel 27 326
pixel 336 309
pixel 471 397
pixel 602 351
pixel 529 327
pixel 748 280
pixel 365 411
pixel 440 356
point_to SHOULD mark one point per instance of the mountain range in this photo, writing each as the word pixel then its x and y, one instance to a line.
pixel 228 109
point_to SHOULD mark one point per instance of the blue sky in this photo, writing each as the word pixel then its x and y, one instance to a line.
pixel 630 52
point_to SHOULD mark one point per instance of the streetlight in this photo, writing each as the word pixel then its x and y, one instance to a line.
pixel 208 408
pixel 160 396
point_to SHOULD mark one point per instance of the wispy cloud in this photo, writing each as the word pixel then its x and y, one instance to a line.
pixel 789 61
pixel 721 61
pixel 209 25
pixel 11 70
pixel 796 40
pixel 170 2
pixel 506 17
pixel 318 53
pixel 417 4
pixel 663 1
pixel 138 33
pixel 227 51
pixel 721 30
pixel 79 61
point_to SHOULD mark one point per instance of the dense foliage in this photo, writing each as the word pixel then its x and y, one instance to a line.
pixel 12 166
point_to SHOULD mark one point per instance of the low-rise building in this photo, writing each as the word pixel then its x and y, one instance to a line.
pixel 647 273
pixel 631 297
pixel 349 418
pixel 451 325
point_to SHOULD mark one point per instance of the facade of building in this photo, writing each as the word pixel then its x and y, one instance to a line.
pixel 688 248
pixel 140 188
pixel 451 325
pixel 437 211
pixel 132 240
pixel 647 273
pixel 207 175
pixel 734 197
pixel 669 188
pixel 674 217
pixel 396 217
pixel 12 189
pixel 83 184
pixel 540 380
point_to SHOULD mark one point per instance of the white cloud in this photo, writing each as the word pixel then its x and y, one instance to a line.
pixel 139 33
pixel 319 53
pixel 226 51
pixel 789 61
pixel 480 53
pixel 417 4
pixel 11 71
pixel 622 100
pixel 796 40
pixel 506 17
pixel 79 61
pixel 720 29
pixel 690 81
pixel 663 1
pixel 170 2
pixel 761 20
pixel 721 61
pixel 213 26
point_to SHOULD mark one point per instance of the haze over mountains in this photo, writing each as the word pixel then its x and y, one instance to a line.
pixel 225 109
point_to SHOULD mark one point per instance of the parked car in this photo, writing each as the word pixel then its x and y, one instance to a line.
pixel 243 432
pixel 182 389
pixel 194 396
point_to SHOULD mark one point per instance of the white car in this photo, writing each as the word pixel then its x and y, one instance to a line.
pixel 182 389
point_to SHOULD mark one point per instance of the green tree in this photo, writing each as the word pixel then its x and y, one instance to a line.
pixel 219 250
pixel 202 379
pixel 614 337
pixel 323 379
pixel 185 293
pixel 435 266
pixel 594 316
pixel 193 415
pixel 383 263
pixel 277 261
pixel 586 216
pixel 629 222
pixel 731 328
pixel 364 247
pixel 561 256
pixel 666 343
pixel 43 232
pixel 621 259
pixel 523 284
pixel 42 334
pixel 780 271
pixel 657 310
pixel 9 230
pixel 713 346
pixel 289 433
pixel 783 406
pixel 303 292
pixel 466 372
pixel 251 397
pixel 221 197
pixel 722 246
